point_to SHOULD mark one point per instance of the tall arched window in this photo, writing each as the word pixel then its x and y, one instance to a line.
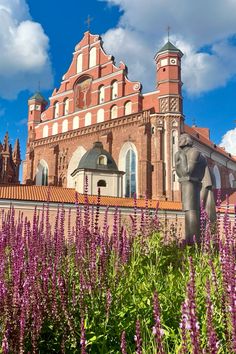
pixel 130 173
pixel 114 90
pixel 217 177
pixel 114 112
pixel 45 176
pixel 88 119
pixel 128 162
pixel 56 110
pixel 128 108
pixel 54 128
pixel 66 107
pixel 64 126
pixel 79 63
pixel 101 94
pixel 231 180
pixel 92 57
pixel 174 145
pixel 45 131
pixel 76 122
pixel 42 174
pixel 100 115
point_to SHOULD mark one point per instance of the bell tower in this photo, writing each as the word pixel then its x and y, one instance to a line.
pixel 168 78
pixel 169 86
pixel 37 104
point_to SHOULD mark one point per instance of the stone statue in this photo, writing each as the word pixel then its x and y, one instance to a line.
pixel 196 185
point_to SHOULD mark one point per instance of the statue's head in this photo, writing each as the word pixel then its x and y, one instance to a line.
pixel 185 140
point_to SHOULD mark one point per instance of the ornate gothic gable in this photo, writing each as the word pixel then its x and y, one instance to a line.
pixel 92 80
pixel 9 162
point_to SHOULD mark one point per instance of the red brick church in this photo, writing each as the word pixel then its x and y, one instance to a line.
pixel 101 125
pixel 10 161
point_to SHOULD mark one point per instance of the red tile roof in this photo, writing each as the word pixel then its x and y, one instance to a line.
pixel 199 135
pixel 67 196
pixel 227 195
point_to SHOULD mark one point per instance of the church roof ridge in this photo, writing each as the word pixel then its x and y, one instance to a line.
pixel 197 134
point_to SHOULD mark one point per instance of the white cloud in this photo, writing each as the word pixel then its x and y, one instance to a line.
pixel 229 141
pixel 201 30
pixel 24 49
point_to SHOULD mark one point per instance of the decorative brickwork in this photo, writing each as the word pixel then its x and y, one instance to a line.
pixel 9 162
pixel 97 102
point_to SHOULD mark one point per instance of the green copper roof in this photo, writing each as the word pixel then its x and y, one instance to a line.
pixel 170 48
pixel 37 96
pixel 90 159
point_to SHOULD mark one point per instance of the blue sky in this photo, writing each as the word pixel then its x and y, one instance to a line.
pixel 37 40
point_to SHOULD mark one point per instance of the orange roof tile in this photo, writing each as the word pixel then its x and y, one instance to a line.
pixel 67 196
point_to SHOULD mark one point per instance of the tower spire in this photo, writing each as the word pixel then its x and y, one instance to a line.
pixel 16 151
pixel 6 143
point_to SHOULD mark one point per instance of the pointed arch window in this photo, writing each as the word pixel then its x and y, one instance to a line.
pixel 217 177
pixel 45 176
pixel 174 144
pixel 130 173
pixel 42 173
pixel 231 180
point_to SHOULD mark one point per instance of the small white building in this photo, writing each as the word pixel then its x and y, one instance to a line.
pixel 101 171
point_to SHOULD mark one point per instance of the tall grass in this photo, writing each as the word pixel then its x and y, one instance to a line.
pixel 97 289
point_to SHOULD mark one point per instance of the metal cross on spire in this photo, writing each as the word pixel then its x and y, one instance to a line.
pixel 168 33
pixel 88 22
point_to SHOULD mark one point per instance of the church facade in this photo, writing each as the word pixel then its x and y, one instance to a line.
pixel 96 102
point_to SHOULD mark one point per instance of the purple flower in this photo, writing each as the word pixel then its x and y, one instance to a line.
pixel 83 341
pixel 123 343
pixel 211 333
pixel 138 338
pixel 157 330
